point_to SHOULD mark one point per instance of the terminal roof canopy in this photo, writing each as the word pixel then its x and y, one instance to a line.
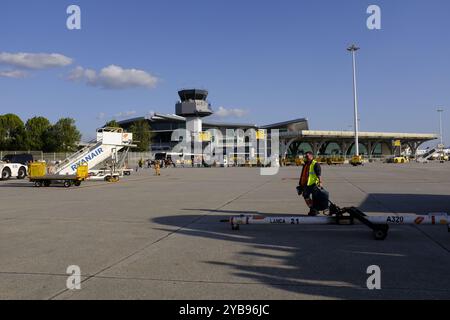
pixel 295 125
pixel 291 125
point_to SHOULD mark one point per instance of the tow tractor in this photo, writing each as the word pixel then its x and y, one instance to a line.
pixel 357 161
pixel 346 216
pixel 399 159
pixel 8 170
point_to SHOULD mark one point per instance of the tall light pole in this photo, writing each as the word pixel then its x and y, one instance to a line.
pixel 440 110
pixel 353 50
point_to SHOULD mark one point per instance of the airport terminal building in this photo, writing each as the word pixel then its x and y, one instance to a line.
pixel 296 138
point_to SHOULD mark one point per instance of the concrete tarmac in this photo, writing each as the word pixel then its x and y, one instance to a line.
pixel 150 237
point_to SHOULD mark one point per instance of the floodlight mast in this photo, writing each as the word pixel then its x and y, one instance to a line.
pixel 353 48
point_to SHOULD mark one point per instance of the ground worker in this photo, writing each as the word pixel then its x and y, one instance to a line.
pixel 310 180
pixel 157 168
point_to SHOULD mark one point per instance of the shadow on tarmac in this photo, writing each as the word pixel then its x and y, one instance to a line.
pixel 328 261
pixel 409 203
pixel 8 184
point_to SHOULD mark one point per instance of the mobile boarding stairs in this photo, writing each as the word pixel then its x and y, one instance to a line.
pixel 107 145
pixel 74 169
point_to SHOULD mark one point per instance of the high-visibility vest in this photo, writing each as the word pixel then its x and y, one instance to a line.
pixel 313 179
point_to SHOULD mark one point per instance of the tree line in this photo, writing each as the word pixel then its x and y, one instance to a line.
pixel 142 134
pixel 38 134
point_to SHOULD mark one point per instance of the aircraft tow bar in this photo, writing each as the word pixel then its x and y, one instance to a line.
pixel 345 216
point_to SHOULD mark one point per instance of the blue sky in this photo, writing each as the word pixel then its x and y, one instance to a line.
pixel 272 60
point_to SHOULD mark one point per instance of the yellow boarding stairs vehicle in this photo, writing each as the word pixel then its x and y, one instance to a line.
pixel 38 174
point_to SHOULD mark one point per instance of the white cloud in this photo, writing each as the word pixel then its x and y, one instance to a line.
pixel 34 60
pixel 101 116
pixel 118 116
pixel 125 114
pixel 16 74
pixel 233 112
pixel 114 77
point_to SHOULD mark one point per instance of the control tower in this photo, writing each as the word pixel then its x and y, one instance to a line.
pixel 193 106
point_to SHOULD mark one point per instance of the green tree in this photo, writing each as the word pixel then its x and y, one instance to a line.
pixel 142 135
pixel 2 134
pixel 112 124
pixel 36 130
pixel 63 136
pixel 12 133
